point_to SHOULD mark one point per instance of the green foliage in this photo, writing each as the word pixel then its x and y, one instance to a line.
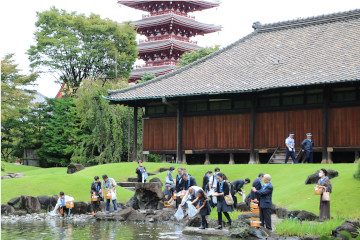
pixel 104 126
pixel 2 166
pixel 193 56
pixel 146 78
pixel 77 47
pixel 61 133
pixel 154 158
pixel 14 96
pixel 357 172
pixel 296 228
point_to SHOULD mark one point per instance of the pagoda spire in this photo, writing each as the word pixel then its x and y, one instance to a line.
pixel 168 28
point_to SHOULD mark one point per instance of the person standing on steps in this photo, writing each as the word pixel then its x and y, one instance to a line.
pixel 257 184
pixel 179 185
pixel 141 172
pixel 265 195
pixel 325 185
pixel 290 148
pixel 95 190
pixel 222 190
pixel 108 186
pixel 307 146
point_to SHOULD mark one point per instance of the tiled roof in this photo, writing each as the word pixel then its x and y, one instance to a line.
pixel 177 19
pixel 152 70
pixel 158 45
pixel 318 50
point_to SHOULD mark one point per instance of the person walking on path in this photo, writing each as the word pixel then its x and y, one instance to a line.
pixel 325 185
pixel 237 187
pixel 257 184
pixel 290 148
pixel 222 190
pixel 141 172
pixel 95 190
pixel 307 146
pixel 108 186
pixel 265 202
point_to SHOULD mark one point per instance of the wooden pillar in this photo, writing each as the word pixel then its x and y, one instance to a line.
pixel 357 156
pixel 179 121
pixel 184 159
pixel 325 117
pixel 207 159
pixel 231 161
pixel 135 134
pixel 252 159
pixel 144 157
pixel 163 157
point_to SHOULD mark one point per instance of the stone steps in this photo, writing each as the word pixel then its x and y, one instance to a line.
pixel 126 184
pixel 130 184
pixel 132 179
pixel 130 188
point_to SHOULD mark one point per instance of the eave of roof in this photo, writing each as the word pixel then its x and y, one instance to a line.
pixel 136 3
pixel 166 44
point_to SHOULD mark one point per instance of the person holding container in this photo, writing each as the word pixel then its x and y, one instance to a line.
pixel 222 190
pixel 326 187
pixel 108 188
pixel 95 191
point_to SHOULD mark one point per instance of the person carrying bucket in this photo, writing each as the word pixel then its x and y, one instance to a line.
pixel 64 204
pixel 108 188
pixel 95 191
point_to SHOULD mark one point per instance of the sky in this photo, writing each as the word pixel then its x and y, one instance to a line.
pixel 17 19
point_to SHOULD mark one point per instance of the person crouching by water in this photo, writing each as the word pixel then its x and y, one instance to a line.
pixel 325 185
pixel 222 190
pixel 265 195
pixel 61 204
pixel 204 208
pixel 108 186
pixel 95 191
pixel 141 172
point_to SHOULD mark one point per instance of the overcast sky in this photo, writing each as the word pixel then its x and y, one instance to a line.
pixel 18 19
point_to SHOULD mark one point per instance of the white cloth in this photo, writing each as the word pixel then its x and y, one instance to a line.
pixel 187 194
pixel 213 181
pixel 58 203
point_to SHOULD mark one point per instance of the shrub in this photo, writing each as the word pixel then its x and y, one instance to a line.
pixel 357 173
pixel 2 166
pixel 154 158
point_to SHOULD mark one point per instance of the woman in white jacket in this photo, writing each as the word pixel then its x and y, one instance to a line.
pixel 61 204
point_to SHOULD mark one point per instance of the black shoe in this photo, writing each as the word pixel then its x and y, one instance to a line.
pixel 206 226
pixel 218 227
pixel 201 227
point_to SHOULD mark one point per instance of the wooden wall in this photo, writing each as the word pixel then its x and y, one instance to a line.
pixel 344 127
pixel 271 128
pixel 232 131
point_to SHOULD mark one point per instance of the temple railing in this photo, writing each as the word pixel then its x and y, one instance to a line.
pixel 157 64
pixel 167 12
pixel 167 37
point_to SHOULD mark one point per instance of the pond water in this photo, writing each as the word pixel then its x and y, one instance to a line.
pixel 65 229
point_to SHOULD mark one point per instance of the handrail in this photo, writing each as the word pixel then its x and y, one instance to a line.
pixel 272 156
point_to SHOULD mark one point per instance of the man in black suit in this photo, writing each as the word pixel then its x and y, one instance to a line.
pixel 237 187
pixel 257 185
pixel 265 195
pixel 179 185
pixel 188 181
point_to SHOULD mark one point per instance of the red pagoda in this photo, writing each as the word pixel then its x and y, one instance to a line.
pixel 168 29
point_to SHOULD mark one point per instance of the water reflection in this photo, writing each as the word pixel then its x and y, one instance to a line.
pixel 102 230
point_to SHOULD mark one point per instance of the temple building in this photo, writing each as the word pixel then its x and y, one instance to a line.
pixel 239 104
pixel 168 28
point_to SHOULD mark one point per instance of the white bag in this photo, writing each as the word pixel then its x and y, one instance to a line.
pixel 192 209
pixel 214 199
pixel 179 214
pixel 243 196
pixel 52 213
pixel 211 192
pixel 113 195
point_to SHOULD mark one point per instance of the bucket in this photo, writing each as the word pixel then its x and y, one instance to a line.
pixel 255 222
pixel 182 194
pixel 94 198
pixel 317 191
pixel 255 210
pixel 108 195
pixel 69 204
pixel 174 196
pixel 166 204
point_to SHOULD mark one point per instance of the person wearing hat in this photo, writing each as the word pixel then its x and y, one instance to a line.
pixel 307 146
pixel 290 148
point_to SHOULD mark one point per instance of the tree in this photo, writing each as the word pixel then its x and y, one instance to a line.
pixel 193 56
pixel 104 126
pixel 61 132
pixel 146 78
pixel 76 47
pixel 14 95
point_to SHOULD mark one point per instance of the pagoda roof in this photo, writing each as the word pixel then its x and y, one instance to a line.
pixel 304 52
pixel 202 4
pixel 166 44
pixel 156 70
pixel 181 20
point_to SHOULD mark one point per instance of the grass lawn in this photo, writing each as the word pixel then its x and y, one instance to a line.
pixel 288 180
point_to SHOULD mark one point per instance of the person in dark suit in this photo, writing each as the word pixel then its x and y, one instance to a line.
pixel 222 190
pixel 237 186
pixel 188 181
pixel 257 185
pixel 265 195
pixel 140 170
pixel 178 185
pixel 206 179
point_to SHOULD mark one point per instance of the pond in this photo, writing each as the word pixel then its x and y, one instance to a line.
pixel 65 229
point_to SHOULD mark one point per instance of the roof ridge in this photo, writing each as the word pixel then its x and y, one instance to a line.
pixel 314 20
pixel 179 70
